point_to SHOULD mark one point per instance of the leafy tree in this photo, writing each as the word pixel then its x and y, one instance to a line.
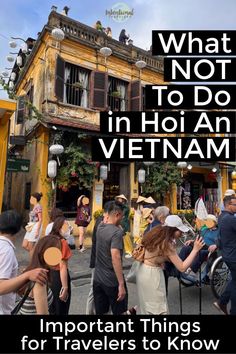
pixel 161 177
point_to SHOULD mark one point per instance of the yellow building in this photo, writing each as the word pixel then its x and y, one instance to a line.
pixel 7 107
pixel 70 82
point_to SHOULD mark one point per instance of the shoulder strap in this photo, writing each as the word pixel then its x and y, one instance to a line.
pixel 21 302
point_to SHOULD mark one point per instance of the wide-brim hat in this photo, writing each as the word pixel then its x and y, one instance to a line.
pixel 122 196
pixel 140 199
pixel 146 212
pixel 149 200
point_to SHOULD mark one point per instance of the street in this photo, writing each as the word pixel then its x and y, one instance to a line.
pixel 81 277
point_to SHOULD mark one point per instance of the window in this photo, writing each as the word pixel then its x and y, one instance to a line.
pixel 76 88
pixel 117 94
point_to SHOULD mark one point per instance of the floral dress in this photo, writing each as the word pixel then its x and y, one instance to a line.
pixel 34 235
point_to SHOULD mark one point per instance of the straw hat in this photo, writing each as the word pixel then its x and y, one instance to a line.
pixel 122 196
pixel 149 200
pixel 140 199
pixel 146 212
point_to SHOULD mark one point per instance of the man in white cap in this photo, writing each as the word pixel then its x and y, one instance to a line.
pixel 210 234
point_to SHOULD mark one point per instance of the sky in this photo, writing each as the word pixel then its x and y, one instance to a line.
pixel 25 18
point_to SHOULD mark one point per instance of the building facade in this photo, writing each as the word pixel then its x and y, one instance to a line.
pixel 70 82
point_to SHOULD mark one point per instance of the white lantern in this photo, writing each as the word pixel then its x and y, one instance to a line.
pixel 52 169
pixel 58 34
pixel 105 51
pixel 103 172
pixel 140 64
pixel 10 58
pixel 11 85
pixel 12 44
pixel 182 164
pixel 13 76
pixel 233 174
pixel 189 167
pixel 19 61
pixel 141 175
pixel 56 149
pixel 24 48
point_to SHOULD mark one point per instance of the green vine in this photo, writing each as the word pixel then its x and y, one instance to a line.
pixel 161 177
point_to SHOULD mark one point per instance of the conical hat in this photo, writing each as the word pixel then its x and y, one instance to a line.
pixel 122 196
pixel 146 212
pixel 149 200
pixel 140 199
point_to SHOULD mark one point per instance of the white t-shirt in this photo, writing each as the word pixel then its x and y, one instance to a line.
pixel 8 270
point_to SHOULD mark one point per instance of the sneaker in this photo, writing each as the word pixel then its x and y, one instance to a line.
pixel 81 250
pixel 132 311
pixel 220 307
pixel 128 255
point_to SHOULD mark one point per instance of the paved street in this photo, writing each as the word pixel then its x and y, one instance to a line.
pixel 81 276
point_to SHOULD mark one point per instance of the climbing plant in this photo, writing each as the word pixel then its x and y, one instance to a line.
pixel 161 177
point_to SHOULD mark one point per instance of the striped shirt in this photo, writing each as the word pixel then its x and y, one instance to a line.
pixel 29 308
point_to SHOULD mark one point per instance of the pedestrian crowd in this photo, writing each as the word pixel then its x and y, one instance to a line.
pixel 45 285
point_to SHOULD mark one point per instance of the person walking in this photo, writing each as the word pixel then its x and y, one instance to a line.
pixel 160 246
pixel 10 224
pixel 60 277
pixel 227 245
pixel 34 227
pixel 83 219
pixel 109 287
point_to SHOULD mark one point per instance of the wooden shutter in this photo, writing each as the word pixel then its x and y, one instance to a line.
pixel 99 81
pixel 60 74
pixel 20 113
pixel 135 96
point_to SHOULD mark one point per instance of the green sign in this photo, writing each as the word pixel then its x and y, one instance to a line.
pixel 17 165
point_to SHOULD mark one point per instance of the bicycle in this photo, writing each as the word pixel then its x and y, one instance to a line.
pixel 219 277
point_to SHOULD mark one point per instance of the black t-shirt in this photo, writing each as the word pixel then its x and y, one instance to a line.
pixel 227 225
pixel 108 236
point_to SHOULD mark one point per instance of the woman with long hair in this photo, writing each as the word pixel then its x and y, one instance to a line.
pixel 34 227
pixel 83 218
pixel 160 246
pixel 60 277
pixel 41 297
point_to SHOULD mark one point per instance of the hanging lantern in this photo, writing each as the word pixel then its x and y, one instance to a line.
pixel 56 149
pixel 141 64
pixel 141 175
pixel 148 164
pixel 24 48
pixel 12 44
pixel 58 34
pixel 13 76
pixel 103 172
pixel 11 85
pixel 10 58
pixel 19 61
pixel 105 51
pixel 182 165
pixel 52 169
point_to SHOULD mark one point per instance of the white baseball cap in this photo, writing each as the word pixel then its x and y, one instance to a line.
pixel 229 192
pixel 212 217
pixel 175 221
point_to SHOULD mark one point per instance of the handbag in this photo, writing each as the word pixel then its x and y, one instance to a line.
pixel 131 276
pixel 29 226
pixel 21 302
pixel 138 253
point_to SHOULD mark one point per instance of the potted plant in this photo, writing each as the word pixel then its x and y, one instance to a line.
pixel 116 94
